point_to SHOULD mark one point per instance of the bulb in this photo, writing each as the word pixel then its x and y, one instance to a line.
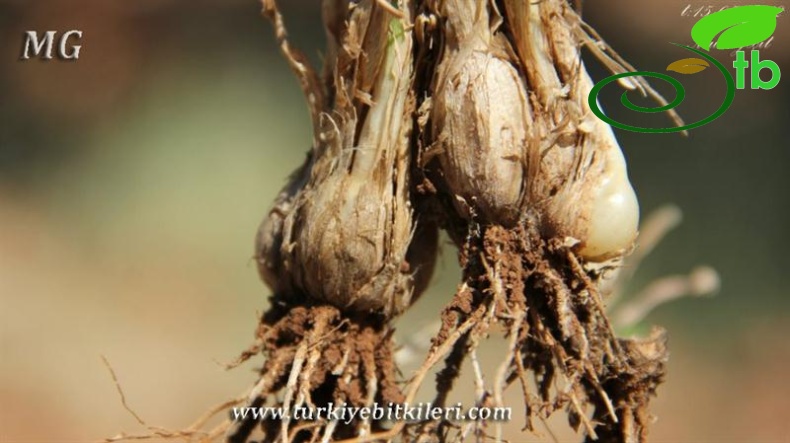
pixel 343 231
pixel 514 134
pixel 613 220
pixel 614 213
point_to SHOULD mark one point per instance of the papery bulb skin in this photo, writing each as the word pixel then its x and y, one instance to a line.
pixel 514 135
pixel 343 231
pixel 480 114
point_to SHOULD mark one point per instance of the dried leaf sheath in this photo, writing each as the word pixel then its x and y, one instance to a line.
pixel 513 130
pixel 343 236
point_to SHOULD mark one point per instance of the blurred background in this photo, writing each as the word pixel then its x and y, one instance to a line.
pixel 132 182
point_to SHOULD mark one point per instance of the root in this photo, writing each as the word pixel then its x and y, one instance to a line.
pixel 558 334
pixel 559 339
pixel 316 356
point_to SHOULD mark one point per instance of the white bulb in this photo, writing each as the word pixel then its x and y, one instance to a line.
pixel 614 219
pixel 614 214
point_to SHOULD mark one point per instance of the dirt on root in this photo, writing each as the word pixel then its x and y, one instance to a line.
pixel 559 334
pixel 317 356
pixel 562 351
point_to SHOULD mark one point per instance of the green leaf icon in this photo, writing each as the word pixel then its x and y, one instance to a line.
pixel 739 26
pixel 688 65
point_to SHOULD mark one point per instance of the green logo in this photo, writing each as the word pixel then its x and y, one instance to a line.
pixel 736 28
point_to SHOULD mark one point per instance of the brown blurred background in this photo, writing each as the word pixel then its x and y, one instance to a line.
pixel 132 182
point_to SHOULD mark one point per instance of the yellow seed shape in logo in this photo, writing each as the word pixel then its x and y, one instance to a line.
pixel 688 65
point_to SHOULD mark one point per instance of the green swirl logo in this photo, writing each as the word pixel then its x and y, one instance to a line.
pixel 736 28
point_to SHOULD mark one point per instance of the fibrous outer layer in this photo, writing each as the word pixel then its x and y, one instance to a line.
pixel 513 132
pixel 343 230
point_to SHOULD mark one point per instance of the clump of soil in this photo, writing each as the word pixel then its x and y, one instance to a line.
pixel 558 333
pixel 316 355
